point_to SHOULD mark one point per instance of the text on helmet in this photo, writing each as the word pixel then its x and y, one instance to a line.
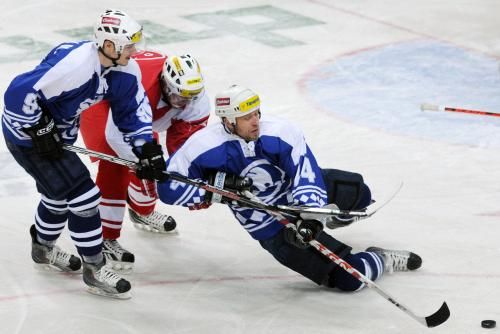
pixel 250 103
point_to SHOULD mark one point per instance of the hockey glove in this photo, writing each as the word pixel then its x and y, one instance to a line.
pixel 151 162
pixel 45 138
pixel 224 181
pixel 334 222
pixel 300 233
pixel 229 182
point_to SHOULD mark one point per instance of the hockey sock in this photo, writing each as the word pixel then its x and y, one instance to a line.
pixel 368 263
pixel 142 196
pixel 94 259
pixel 84 221
pixel 112 180
pixel 50 220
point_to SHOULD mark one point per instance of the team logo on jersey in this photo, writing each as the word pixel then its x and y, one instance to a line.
pixel 268 180
pixel 111 20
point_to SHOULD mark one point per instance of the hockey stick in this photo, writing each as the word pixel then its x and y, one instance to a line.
pixel 433 107
pixel 433 320
pixel 242 200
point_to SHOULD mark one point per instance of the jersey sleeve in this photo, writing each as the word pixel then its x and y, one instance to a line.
pixel 194 160
pixel 130 107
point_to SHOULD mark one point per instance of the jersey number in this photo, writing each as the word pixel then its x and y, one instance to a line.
pixel 307 172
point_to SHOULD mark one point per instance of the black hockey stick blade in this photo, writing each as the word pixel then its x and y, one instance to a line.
pixel 438 317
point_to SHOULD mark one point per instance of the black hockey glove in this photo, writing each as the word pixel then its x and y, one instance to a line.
pixel 300 233
pixel 224 181
pixel 151 162
pixel 45 138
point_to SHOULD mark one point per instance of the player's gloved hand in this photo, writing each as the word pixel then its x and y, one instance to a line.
pixel 45 138
pixel 334 222
pixel 151 162
pixel 224 181
pixel 301 232
pixel 230 182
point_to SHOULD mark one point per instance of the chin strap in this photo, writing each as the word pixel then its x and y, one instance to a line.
pixel 110 58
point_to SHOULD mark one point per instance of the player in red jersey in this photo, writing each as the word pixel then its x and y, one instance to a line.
pixel 175 89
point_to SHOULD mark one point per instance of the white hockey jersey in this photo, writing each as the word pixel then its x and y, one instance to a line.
pixel 281 165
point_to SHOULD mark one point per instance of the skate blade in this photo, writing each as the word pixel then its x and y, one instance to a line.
pixel 49 268
pixel 99 292
pixel 150 229
pixel 121 267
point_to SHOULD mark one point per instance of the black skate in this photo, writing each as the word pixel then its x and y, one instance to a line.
pixel 52 258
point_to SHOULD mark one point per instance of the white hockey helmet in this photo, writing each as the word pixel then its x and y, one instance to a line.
pixel 118 27
pixel 182 76
pixel 236 101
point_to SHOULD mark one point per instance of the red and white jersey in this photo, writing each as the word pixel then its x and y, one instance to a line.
pixel 101 134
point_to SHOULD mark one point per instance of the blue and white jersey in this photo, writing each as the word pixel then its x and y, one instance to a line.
pixel 69 80
pixel 281 165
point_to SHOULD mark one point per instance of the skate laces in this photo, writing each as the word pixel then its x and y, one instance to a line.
pixel 104 275
pixel 154 219
pixel 58 257
pixel 157 219
pixel 396 261
pixel 114 247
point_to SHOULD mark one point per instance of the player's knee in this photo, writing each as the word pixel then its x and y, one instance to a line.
pixel 84 200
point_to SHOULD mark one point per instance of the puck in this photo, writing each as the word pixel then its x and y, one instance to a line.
pixel 488 323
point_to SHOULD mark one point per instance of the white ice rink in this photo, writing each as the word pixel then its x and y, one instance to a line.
pixel 353 74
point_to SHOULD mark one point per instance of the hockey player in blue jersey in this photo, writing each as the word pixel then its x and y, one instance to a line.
pixel 42 111
pixel 274 155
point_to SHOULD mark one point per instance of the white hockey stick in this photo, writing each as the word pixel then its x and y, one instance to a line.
pixel 434 107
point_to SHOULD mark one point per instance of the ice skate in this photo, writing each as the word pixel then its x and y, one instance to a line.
pixel 155 222
pixel 52 258
pixel 397 260
pixel 117 257
pixel 102 281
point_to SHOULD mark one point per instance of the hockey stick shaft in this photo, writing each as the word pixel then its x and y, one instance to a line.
pixel 244 201
pixel 432 107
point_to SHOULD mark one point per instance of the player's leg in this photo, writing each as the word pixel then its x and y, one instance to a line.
pixel 112 180
pixel 52 211
pixel 84 224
